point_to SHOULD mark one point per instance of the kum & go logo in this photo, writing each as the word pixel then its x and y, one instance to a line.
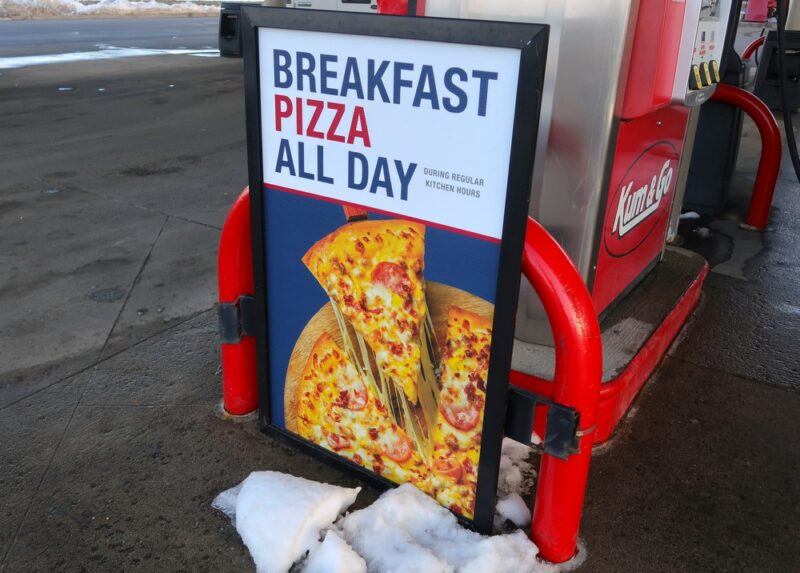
pixel 641 201
pixel 634 206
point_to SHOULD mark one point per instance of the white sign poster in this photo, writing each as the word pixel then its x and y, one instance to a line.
pixel 402 127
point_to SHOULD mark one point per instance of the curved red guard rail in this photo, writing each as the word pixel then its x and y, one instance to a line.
pixel 235 278
pixel 562 484
pixel 752 47
pixel 770 163
pixel 579 356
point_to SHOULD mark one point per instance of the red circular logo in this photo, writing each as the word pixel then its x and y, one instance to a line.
pixel 641 200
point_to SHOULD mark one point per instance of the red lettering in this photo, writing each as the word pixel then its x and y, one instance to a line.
pixel 286 107
pixel 299 116
pixel 358 127
pixel 283 109
pixel 318 107
pixel 338 109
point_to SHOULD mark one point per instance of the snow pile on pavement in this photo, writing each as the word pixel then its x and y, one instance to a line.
pixel 334 555
pixel 279 516
pixel 282 519
pixel 405 531
pixel 24 9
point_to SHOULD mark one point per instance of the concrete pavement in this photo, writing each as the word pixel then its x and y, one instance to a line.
pixel 57 36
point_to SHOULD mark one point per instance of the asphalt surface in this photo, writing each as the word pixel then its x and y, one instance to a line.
pixel 110 208
pixel 39 37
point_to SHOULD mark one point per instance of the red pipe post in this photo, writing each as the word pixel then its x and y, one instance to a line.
pixel 770 163
pixel 752 47
pixel 399 7
pixel 235 278
pixel 561 485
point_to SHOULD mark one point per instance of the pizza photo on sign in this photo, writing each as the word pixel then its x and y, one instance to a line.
pixel 391 372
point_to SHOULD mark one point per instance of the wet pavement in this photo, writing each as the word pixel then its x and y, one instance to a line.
pixel 110 207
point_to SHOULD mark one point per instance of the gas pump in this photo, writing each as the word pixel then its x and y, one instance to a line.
pixel 612 129
pixel 621 79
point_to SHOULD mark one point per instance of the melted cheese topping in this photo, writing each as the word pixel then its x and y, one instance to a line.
pixel 339 412
pixel 457 437
pixel 373 272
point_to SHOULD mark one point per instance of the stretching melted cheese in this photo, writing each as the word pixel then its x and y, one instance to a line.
pixel 373 271
pixel 337 410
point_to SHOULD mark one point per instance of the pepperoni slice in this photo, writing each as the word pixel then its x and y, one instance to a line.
pixel 357 397
pixel 392 276
pixel 398 448
pixel 461 417
pixel 338 442
pixel 449 468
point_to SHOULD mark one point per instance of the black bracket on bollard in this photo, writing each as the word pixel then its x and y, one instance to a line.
pixel 236 319
pixel 561 434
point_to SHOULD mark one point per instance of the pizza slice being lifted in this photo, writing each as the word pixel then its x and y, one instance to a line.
pixel 337 410
pixel 457 436
pixel 372 270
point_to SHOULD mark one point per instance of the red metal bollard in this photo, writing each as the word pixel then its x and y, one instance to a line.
pixel 561 484
pixel 770 162
pixel 235 279
pixel 752 47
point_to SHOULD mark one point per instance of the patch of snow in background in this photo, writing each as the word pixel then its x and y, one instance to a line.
pixel 19 9
pixel 107 53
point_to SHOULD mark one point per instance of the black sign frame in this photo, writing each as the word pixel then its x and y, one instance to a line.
pixel 531 41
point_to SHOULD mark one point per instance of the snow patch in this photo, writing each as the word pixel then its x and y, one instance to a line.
pixel 517 474
pixel 106 53
pixel 405 531
pixel 279 517
pixel 19 9
pixel 334 555
pixel 513 508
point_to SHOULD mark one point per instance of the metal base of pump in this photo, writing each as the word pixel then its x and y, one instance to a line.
pixel 636 335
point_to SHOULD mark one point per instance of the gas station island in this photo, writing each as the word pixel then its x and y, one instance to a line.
pixel 460 229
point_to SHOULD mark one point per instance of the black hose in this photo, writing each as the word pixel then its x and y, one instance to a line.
pixel 788 126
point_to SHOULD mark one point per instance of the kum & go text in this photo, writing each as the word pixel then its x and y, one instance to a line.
pixel 636 205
